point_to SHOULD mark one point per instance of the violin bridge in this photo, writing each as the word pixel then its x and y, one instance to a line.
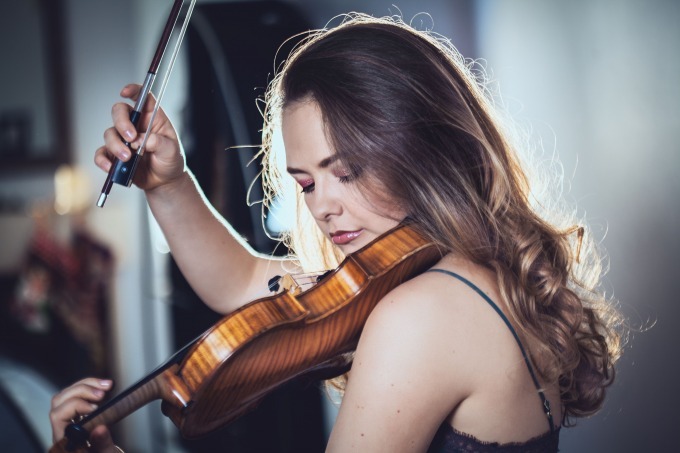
pixel 290 284
pixel 297 283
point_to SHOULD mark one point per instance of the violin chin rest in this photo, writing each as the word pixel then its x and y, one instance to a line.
pixel 332 368
pixel 172 412
pixel 191 430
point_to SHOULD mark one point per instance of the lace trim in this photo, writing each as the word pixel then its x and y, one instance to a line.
pixel 497 444
pixel 449 439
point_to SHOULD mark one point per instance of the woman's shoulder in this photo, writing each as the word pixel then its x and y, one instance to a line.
pixel 437 320
pixel 436 300
pixel 417 359
pixel 444 325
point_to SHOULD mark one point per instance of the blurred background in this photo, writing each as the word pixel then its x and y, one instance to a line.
pixel 93 291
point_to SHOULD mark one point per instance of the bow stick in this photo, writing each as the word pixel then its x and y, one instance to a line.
pixel 123 172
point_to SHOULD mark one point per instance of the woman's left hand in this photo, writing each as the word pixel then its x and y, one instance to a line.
pixel 80 399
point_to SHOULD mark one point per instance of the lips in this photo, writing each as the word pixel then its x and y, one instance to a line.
pixel 341 237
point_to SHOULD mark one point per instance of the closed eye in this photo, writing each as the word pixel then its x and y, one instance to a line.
pixel 344 176
pixel 307 185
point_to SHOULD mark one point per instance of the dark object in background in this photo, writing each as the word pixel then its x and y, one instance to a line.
pixel 15 133
pixel 231 60
pixel 25 398
pixel 16 434
pixel 53 313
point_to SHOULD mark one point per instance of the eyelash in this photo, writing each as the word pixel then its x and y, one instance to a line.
pixel 309 188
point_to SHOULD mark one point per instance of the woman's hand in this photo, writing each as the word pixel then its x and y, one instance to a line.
pixel 79 399
pixel 163 161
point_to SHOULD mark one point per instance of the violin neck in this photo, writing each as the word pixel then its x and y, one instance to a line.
pixel 162 384
pixel 145 391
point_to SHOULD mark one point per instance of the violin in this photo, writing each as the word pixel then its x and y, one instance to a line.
pixel 228 369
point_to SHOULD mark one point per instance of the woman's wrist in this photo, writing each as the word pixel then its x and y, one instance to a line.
pixel 169 189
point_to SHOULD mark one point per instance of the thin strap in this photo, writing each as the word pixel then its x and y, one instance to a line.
pixel 541 394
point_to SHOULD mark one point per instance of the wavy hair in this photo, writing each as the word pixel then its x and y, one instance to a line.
pixel 408 115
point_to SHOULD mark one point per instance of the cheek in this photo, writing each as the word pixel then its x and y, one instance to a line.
pixel 384 213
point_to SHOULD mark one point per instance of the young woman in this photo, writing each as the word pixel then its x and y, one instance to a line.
pixel 503 341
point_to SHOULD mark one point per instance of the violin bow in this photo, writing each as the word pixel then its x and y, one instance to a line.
pixel 123 172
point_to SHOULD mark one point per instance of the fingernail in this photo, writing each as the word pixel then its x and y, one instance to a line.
pixel 98 392
pixel 104 383
pixel 125 155
pixel 93 406
pixel 129 134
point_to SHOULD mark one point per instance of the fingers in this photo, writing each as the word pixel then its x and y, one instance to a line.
pixel 114 148
pixel 132 92
pixel 156 142
pixel 120 113
pixel 78 399
pixel 123 139
pixel 91 389
pixel 115 145
pixel 102 159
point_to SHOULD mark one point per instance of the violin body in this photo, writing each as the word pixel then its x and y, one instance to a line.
pixel 266 343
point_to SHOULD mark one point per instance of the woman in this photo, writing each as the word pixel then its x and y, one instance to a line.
pixel 501 343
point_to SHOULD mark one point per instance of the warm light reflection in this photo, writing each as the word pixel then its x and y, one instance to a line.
pixel 72 190
pixel 160 244
pixel 281 215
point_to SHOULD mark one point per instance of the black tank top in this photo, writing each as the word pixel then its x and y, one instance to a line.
pixel 449 440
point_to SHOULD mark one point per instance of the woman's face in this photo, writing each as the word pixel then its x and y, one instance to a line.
pixel 350 218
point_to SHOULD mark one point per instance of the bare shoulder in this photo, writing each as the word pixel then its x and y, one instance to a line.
pixel 437 322
pixel 434 351
pixel 412 367
pixel 426 312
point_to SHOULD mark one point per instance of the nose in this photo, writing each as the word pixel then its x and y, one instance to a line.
pixel 325 202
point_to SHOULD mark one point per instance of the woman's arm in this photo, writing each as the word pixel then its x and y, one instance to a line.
pixel 219 265
pixel 222 268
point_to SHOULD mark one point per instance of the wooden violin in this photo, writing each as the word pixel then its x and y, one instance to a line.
pixel 227 370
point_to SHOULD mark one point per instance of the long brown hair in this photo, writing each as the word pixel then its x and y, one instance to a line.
pixel 403 108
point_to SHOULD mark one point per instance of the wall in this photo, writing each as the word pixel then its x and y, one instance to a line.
pixel 598 81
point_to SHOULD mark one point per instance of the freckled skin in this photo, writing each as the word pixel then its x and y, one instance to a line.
pixel 433 354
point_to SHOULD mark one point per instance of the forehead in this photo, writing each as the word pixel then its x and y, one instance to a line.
pixel 304 134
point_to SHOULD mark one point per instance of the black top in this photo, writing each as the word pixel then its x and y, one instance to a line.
pixel 449 440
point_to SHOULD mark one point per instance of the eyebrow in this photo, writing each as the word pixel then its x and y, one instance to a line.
pixel 323 164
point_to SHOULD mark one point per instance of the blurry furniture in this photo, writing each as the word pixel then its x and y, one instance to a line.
pixel 24 407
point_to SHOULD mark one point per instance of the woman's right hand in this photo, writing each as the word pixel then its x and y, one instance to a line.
pixel 80 399
pixel 163 160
